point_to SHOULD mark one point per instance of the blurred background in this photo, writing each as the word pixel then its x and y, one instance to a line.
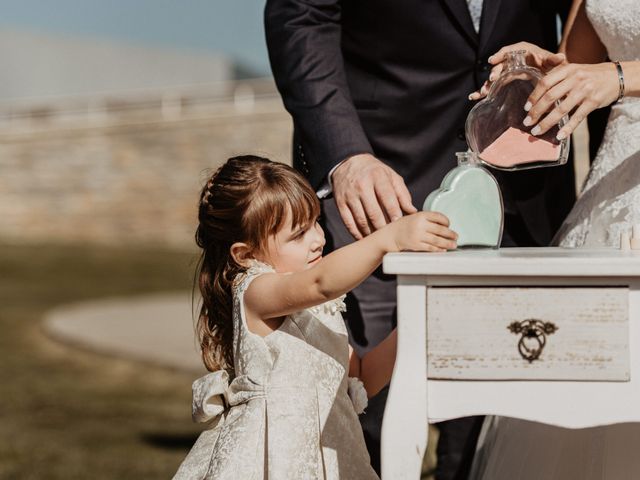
pixel 112 114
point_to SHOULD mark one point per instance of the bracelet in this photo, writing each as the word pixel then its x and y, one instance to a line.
pixel 620 80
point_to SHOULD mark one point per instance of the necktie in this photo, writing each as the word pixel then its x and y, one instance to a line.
pixel 475 9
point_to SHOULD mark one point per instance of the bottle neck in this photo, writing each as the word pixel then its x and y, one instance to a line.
pixel 516 59
pixel 467 159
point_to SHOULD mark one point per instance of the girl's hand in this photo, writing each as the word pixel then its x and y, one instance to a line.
pixel 537 57
pixel 582 88
pixel 423 231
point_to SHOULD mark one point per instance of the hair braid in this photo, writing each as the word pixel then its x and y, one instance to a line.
pixel 246 200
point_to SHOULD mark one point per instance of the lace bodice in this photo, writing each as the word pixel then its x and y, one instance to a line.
pixel 610 200
pixel 617 23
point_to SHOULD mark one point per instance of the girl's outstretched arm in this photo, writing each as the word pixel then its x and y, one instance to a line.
pixel 275 295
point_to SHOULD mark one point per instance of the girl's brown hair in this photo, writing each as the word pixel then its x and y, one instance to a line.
pixel 246 200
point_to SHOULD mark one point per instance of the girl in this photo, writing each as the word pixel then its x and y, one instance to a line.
pixel 270 322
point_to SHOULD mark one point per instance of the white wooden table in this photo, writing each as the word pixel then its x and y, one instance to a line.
pixel 543 334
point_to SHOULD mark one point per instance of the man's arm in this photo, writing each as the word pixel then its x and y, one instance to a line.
pixel 303 38
pixel 304 42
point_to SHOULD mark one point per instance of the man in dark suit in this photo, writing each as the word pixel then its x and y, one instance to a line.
pixel 378 91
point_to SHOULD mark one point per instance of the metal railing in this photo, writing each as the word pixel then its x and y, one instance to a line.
pixel 112 107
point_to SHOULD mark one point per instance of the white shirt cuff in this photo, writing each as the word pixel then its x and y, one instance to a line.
pixel 326 188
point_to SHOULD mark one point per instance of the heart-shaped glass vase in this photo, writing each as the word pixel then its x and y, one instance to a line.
pixel 494 127
pixel 470 197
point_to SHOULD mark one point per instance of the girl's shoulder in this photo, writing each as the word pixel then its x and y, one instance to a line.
pixel 255 269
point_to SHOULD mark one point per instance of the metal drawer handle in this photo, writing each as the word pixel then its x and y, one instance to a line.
pixel 533 336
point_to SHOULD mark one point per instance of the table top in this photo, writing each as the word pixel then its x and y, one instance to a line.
pixel 543 261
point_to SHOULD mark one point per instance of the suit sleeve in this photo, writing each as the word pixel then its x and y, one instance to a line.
pixel 304 43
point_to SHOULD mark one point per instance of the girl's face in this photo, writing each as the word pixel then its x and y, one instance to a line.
pixel 295 249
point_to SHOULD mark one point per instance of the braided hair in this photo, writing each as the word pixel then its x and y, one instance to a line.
pixel 246 200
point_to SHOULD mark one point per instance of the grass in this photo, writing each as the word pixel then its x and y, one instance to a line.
pixel 67 413
pixel 71 414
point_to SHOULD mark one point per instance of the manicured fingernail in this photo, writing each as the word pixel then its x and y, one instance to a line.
pixel 527 121
pixel 527 106
pixel 470 97
pixel 561 135
pixel 490 59
pixel 492 77
pixel 535 130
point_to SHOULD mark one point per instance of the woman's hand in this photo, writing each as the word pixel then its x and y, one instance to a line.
pixel 537 57
pixel 423 231
pixel 579 88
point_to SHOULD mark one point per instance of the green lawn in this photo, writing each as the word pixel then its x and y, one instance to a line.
pixel 69 414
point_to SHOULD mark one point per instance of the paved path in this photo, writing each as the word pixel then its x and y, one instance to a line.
pixel 159 328
pixel 153 328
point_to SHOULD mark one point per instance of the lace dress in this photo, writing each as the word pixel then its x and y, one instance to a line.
pixel 288 413
pixel 610 201
pixel 609 204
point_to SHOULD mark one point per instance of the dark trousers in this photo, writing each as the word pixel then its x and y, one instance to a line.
pixel 370 317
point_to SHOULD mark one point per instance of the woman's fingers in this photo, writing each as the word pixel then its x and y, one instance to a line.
pixel 486 86
pixel 547 102
pixel 578 116
pixel 585 86
pixel 556 114
pixel 495 72
pixel 501 55
pixel 545 84
pixel 550 62
pixel 481 93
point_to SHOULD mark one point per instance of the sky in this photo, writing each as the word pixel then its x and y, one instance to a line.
pixel 232 27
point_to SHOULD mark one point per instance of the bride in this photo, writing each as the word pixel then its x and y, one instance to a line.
pixel 609 205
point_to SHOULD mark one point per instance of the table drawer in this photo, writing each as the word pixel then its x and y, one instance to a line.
pixel 530 333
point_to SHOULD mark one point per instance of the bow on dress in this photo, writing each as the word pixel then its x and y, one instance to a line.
pixel 209 396
pixel 213 394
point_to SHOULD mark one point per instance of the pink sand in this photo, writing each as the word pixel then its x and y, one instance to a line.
pixel 515 146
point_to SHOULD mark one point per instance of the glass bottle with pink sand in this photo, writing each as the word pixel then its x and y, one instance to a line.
pixel 494 127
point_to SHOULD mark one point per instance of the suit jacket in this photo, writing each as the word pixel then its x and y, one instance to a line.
pixel 392 77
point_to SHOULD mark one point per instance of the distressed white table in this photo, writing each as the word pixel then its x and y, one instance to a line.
pixel 544 334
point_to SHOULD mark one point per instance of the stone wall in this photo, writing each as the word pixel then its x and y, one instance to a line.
pixel 132 180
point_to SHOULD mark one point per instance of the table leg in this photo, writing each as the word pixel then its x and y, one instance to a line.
pixel 404 426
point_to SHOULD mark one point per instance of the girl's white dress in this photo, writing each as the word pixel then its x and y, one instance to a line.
pixel 511 449
pixel 288 413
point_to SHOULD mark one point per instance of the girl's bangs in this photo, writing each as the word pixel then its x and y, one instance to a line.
pixel 290 196
pixel 304 206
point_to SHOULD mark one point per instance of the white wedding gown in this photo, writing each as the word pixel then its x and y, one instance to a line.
pixel 512 449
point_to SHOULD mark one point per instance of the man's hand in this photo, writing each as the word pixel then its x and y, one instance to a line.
pixel 369 194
